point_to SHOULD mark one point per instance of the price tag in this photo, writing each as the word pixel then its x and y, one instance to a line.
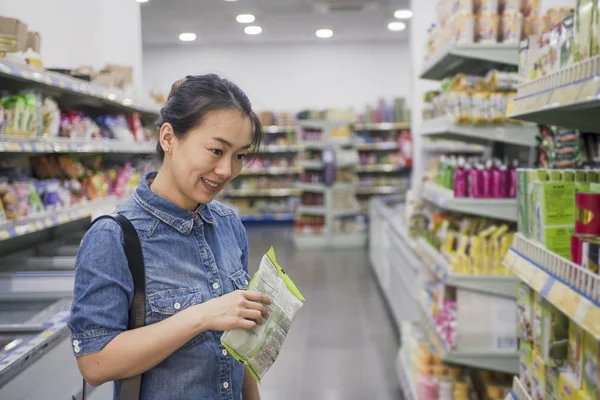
pixel 538 280
pixel 565 95
pixel 570 302
pixel 13 147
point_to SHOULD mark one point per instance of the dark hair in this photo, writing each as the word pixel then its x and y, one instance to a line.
pixel 192 97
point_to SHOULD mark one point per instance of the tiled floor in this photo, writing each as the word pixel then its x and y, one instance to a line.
pixel 342 345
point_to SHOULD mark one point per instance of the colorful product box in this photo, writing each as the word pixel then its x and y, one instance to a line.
pixel 568 390
pixel 533 176
pixel 526 365
pixel 525 311
pixel 555 215
pixel 552 384
pixel 575 356
pixel 537 322
pixel 591 374
pixel 554 337
pixel 538 389
pixel 522 201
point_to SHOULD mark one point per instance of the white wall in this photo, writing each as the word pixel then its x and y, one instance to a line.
pixel 291 77
pixel 88 32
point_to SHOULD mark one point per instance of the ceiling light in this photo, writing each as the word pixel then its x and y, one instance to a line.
pixel 253 30
pixel 142 1
pixel 245 18
pixel 396 26
pixel 403 14
pixel 187 37
pixel 324 33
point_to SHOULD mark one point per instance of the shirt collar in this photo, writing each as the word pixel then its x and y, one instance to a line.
pixel 171 214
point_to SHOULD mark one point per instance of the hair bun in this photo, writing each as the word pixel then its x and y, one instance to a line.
pixel 176 86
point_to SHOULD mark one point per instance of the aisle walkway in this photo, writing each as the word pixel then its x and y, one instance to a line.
pixel 342 345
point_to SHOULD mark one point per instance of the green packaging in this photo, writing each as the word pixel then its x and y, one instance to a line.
pixel 555 336
pixel 533 176
pixel 522 203
pixel 581 181
pixel 590 366
pixel 525 312
pixel 526 365
pixel 554 203
pixel 552 384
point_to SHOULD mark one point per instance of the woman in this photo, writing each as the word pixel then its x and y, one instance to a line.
pixel 195 254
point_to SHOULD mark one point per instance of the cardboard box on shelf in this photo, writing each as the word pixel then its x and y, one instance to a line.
pixel 525 310
pixel 555 336
pixel 125 72
pixel 526 365
pixel 575 356
pixel 34 41
pixel 591 349
pixel 110 79
pixel 552 384
pixel 16 28
pixel 538 389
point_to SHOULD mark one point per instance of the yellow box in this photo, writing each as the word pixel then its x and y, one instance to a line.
pixel 538 389
pixel 554 337
pixel 537 322
pixel 526 365
pixel 575 355
pixel 568 390
pixel 552 384
pixel 591 348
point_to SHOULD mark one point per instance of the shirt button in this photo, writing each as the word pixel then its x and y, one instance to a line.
pixel 226 385
pixel 224 352
pixel 76 343
pixel 77 349
pixel 177 306
pixel 216 285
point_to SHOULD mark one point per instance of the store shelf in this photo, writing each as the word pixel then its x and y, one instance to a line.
pixel 495 360
pixel 313 144
pixel 379 190
pixel 453 147
pixel 346 213
pixel 569 287
pixel 14 228
pixel 263 192
pixel 348 241
pixel 471 59
pixel 376 146
pixel 512 133
pixel 311 210
pixel 504 209
pixel 312 187
pixel 272 171
pixel 408 389
pixel 276 148
pixel 279 129
pixel 266 218
pixel 378 168
pixel 322 125
pixel 505 286
pixel 311 164
pixel 381 126
pixel 562 98
pixel 41 145
pixel 308 241
pixel 72 90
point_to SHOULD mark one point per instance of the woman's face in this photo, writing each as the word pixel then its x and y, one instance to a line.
pixel 210 155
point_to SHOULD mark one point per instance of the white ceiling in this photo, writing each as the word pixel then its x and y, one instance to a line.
pixel 283 21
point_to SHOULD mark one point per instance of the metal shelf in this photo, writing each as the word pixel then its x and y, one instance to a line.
pixel 275 148
pixel 44 145
pixel 562 98
pixel 407 386
pixel 277 217
pixel 263 192
pixel 74 91
pixel 279 129
pixel 453 147
pixel 569 287
pixel 518 391
pixel 378 168
pixel 311 164
pixel 512 133
pixel 495 360
pixel 472 59
pixel 373 190
pixel 376 146
pixel 381 126
pixel 504 209
pixel 505 286
pixel 271 171
pixel 312 187
pixel 311 210
pixel 323 125
pixel 35 223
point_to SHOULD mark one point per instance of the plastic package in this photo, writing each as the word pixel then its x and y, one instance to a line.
pixel 487 28
pixel 464 28
pixel 531 8
pixel 533 26
pixel 511 27
pixel 486 7
pixel 557 14
pixel 509 6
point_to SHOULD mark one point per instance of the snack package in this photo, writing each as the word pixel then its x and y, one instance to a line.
pixel 590 366
pixel 537 322
pixel 511 26
pixel 531 8
pixel 595 44
pixel 575 355
pixel 509 6
pixel 487 28
pixel 538 389
pixel 258 348
pixel 552 384
pixel 555 336
pixel 464 28
pixel 525 310
pixel 526 366
pixel 50 114
pixel 583 29
pixel 568 390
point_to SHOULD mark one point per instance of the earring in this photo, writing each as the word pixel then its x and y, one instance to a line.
pixel 167 149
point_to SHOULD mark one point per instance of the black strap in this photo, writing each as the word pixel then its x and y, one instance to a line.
pixel 130 388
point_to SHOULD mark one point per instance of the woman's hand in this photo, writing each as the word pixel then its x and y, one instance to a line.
pixel 239 309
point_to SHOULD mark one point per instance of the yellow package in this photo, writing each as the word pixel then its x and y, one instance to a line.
pixel 591 348
pixel 567 389
pixel 538 389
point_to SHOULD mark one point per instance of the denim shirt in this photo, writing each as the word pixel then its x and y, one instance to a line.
pixel 190 258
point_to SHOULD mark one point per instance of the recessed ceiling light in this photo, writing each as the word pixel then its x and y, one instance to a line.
pixel 403 14
pixel 245 18
pixel 230 0
pixel 324 33
pixel 396 26
pixel 187 37
pixel 142 1
pixel 253 30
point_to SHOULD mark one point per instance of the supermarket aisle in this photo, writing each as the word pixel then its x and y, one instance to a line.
pixel 342 345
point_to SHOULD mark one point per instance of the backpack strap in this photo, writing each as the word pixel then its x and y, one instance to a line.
pixel 130 388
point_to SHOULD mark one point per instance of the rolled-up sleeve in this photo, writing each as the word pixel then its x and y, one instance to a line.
pixel 103 289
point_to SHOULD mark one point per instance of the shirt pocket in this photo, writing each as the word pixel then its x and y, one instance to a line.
pixel 240 280
pixel 167 303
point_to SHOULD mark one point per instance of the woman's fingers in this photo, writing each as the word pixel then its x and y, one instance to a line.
pixel 257 296
pixel 253 315
pixel 253 305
